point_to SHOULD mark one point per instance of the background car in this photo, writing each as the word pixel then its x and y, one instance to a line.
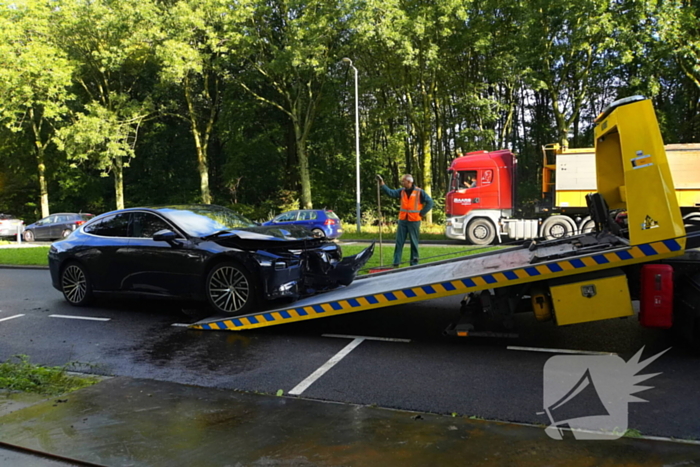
pixel 322 222
pixel 199 252
pixel 9 224
pixel 55 226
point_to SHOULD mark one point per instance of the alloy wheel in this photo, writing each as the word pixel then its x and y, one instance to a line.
pixel 74 284
pixel 229 289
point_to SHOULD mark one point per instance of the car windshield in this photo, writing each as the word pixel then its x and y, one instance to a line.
pixel 200 221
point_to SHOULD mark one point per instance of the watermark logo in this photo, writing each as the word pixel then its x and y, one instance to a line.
pixel 589 394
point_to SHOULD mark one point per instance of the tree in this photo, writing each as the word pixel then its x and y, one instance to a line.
pixel 35 77
pixel 410 38
pixel 562 46
pixel 288 47
pixel 192 51
pixel 679 27
pixel 112 43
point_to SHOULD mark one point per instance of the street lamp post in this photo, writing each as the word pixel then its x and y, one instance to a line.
pixel 357 144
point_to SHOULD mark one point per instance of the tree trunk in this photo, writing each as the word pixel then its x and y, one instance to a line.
pixel 304 175
pixel 202 162
pixel 427 151
pixel 203 166
pixel 119 182
pixel 427 170
pixel 40 147
pixel 43 185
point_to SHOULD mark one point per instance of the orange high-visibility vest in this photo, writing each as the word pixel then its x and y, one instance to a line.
pixel 410 205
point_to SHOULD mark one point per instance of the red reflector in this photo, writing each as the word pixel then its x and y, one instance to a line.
pixel 329 222
pixel 656 296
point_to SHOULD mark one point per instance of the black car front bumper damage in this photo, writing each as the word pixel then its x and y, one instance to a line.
pixel 310 272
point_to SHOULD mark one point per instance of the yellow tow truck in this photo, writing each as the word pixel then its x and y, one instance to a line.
pixel 635 250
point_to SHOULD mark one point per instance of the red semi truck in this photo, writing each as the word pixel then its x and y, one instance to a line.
pixel 481 200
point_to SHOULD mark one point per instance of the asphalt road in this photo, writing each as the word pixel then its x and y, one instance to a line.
pixel 429 373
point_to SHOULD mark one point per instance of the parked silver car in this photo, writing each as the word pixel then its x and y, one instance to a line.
pixel 10 225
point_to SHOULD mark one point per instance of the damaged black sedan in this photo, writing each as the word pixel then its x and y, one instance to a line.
pixel 199 252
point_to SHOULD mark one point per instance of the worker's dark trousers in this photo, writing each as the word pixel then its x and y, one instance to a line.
pixel 412 229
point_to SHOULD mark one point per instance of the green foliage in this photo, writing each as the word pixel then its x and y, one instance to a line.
pixel 255 106
pixel 18 374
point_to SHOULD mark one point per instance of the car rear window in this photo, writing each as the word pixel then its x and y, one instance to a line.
pixel 86 217
pixel 332 215
pixel 6 217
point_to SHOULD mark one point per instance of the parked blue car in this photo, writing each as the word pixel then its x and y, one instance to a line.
pixel 322 222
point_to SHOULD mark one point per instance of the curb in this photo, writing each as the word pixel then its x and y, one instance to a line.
pixel 22 266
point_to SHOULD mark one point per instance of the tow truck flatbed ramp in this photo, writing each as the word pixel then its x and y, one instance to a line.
pixel 459 276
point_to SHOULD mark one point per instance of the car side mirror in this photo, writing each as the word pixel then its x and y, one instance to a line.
pixel 165 235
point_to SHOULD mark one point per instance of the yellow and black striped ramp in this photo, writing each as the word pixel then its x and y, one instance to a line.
pixel 454 277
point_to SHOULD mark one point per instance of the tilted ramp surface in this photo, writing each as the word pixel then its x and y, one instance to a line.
pixel 451 277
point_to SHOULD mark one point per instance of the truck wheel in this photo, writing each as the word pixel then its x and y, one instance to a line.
pixel 557 227
pixel 481 232
pixel 587 225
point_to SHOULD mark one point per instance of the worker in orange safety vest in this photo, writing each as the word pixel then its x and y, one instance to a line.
pixel 415 204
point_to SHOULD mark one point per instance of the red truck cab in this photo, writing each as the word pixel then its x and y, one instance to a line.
pixel 481 180
pixel 480 196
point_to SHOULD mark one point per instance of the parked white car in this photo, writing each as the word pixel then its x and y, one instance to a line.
pixel 9 225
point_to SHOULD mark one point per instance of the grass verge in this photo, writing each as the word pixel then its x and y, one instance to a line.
pixel 38 256
pixel 18 374
pixel 388 236
pixel 428 254
pixel 35 256
pixel 371 232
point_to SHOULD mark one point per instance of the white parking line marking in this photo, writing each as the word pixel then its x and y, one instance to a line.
pixel 181 325
pixel 86 318
pixel 11 317
pixel 304 385
pixel 368 338
pixel 541 349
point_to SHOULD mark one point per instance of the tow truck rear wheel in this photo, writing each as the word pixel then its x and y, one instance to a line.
pixel 557 227
pixel 481 232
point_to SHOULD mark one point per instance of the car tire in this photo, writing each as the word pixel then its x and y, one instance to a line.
pixel 319 233
pixel 481 232
pixel 28 236
pixel 66 233
pixel 230 289
pixel 76 285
